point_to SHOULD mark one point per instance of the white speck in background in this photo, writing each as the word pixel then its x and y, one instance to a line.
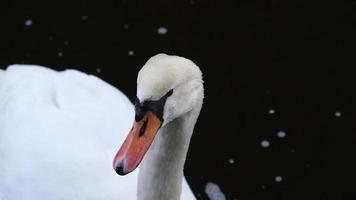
pixel 66 43
pixel 84 17
pixel 98 70
pixel 271 111
pixel 231 161
pixel 162 30
pixel 131 53
pixel 278 179
pixel 337 114
pixel 265 143
pixel 28 22
pixel 126 26
pixel 214 192
pixel 60 54
pixel 281 134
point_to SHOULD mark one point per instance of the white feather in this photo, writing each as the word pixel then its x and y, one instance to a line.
pixel 59 132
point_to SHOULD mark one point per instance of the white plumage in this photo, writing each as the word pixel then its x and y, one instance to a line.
pixel 59 132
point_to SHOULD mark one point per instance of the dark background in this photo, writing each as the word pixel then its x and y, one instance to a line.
pixel 292 57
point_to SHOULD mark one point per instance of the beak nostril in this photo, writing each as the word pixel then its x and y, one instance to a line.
pixel 120 169
pixel 143 128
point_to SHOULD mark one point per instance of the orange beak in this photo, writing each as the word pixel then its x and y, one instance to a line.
pixel 136 144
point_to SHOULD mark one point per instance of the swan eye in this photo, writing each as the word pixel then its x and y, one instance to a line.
pixel 137 101
pixel 169 93
pixel 156 107
pixel 140 110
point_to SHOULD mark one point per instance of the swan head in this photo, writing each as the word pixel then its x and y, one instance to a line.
pixel 167 87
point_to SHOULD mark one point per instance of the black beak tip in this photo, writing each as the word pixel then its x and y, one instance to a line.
pixel 120 169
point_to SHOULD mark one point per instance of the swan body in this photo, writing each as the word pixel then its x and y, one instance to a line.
pixel 59 132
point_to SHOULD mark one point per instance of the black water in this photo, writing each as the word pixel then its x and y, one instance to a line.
pixel 269 66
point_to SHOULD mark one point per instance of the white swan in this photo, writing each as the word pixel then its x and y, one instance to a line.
pixel 59 132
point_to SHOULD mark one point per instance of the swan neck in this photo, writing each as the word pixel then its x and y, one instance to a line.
pixel 161 171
